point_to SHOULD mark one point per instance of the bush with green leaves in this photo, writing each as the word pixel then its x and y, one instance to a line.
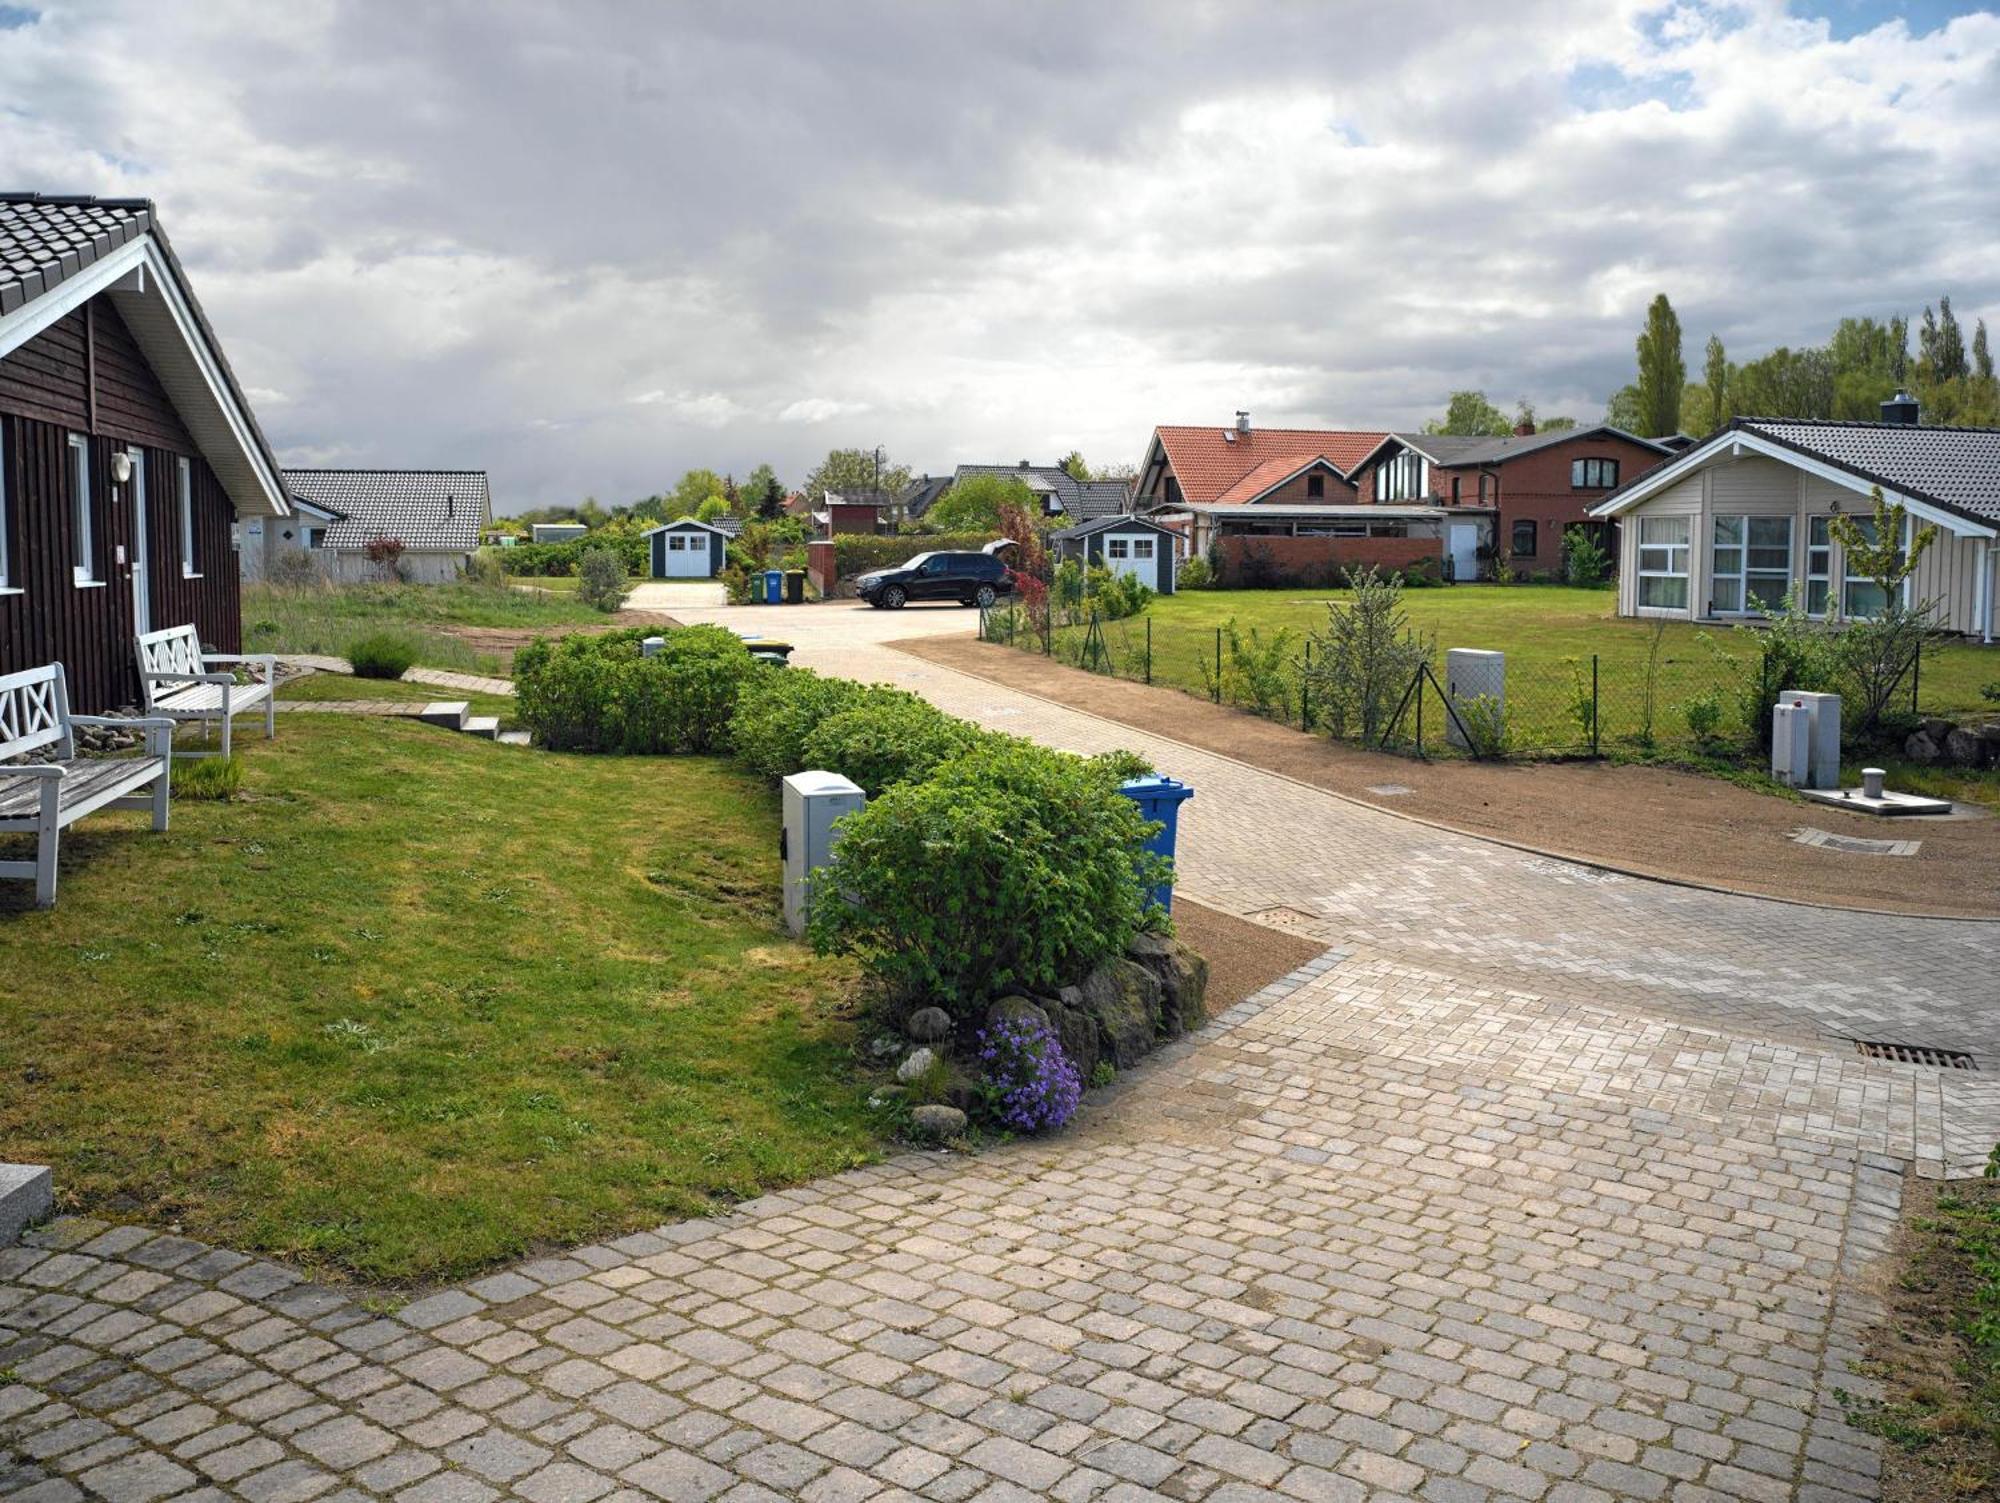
pixel 1255 671
pixel 1012 867
pixel 777 709
pixel 1114 597
pixel 1585 563
pixel 1194 575
pixel 859 552
pixel 601 580
pixel 1703 714
pixel 887 737
pixel 1365 660
pixel 1794 650
pixel 382 654
pixel 602 694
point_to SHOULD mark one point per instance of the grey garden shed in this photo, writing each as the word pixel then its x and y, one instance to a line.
pixel 1124 545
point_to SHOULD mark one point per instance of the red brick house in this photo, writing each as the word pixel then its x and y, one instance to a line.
pixel 1539 483
pixel 1241 465
pixel 127 450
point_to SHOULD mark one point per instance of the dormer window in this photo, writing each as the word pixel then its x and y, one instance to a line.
pixel 1315 487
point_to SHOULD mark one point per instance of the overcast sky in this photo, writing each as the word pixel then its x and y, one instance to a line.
pixel 587 246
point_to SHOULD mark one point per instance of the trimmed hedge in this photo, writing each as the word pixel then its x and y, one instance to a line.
pixel 560 560
pixel 1009 868
pixel 888 738
pixel 601 694
pixel 860 552
pixel 777 710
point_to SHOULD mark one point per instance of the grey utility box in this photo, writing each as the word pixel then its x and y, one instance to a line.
pixel 813 801
pixel 1473 673
pixel 1822 765
pixel 1791 744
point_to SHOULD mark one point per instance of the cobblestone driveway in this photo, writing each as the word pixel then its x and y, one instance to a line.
pixel 1537 1186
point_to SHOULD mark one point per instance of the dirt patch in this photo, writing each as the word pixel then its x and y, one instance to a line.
pixel 1242 957
pixel 501 642
pixel 1673 825
pixel 1937 1419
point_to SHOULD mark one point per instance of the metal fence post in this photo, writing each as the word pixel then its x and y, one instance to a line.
pixel 1596 710
pixel 1306 690
pixel 1217 694
pixel 1149 648
pixel 1420 715
pixel 1916 674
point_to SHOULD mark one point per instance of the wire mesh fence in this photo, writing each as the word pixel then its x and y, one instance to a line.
pixel 1707 701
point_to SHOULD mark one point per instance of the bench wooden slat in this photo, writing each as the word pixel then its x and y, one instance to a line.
pixel 90 781
pixel 206 699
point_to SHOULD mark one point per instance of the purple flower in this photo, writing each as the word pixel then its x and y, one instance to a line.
pixel 1030 1084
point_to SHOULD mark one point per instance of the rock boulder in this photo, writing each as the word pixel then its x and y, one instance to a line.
pixel 1921 749
pixel 1967 748
pixel 928 1025
pixel 937 1123
pixel 1183 977
pixel 1123 999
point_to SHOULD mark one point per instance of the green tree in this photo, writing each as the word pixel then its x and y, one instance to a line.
pixel 1623 410
pixel 978 502
pixel 1073 466
pixel 1470 414
pixel 1715 378
pixel 1785 384
pixel 695 487
pixel 1982 357
pixel 849 470
pixel 1662 371
pixel 763 494
pixel 709 510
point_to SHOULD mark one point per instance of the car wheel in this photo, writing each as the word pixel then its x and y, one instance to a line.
pixel 893 597
pixel 984 598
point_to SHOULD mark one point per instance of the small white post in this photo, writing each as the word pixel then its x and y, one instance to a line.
pixel 1871 782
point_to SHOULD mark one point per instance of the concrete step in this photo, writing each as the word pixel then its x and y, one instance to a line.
pixel 487 726
pixel 449 713
pixel 516 738
pixel 26 1197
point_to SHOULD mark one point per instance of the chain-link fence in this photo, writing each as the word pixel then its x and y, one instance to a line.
pixel 1669 699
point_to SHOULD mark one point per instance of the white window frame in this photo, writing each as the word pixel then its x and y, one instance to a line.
pixel 677 542
pixel 83 569
pixel 1142 548
pixel 1681 552
pixel 1580 471
pixel 184 473
pixel 1849 579
pixel 1742 575
pixel 1819 565
pixel 1406 477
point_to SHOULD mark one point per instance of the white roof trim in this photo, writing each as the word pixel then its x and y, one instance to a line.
pixel 155 283
pixel 1732 442
pixel 684 522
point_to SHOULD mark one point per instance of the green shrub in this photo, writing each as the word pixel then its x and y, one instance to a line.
pixel 1584 562
pixel 777 709
pixel 1195 575
pixel 1116 596
pixel 562 559
pixel 1703 713
pixel 382 654
pixel 602 583
pixel 888 737
pixel 859 552
pixel 484 568
pixel 600 693
pixel 1010 867
pixel 202 779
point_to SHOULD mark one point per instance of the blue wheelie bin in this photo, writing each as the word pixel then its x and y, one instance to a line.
pixel 1160 800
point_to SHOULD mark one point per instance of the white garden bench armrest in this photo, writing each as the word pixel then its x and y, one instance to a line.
pixel 34 770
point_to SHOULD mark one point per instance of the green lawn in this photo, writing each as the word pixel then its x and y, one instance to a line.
pixel 326 618
pixel 1549 634
pixel 561 584
pixel 417 1003
pixel 326 686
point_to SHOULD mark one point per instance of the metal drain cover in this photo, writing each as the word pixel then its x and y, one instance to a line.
pixel 1917 1054
pixel 1855 845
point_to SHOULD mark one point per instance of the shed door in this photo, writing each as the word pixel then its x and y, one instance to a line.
pixel 687 555
pixel 1135 553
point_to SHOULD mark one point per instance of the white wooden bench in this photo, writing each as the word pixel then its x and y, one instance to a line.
pixel 58 789
pixel 179 681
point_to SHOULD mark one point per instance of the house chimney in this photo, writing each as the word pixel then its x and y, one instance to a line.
pixel 1902 409
pixel 1525 428
pixel 1242 422
pixel 1025 465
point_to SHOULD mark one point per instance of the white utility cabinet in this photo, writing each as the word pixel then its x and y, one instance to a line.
pixel 1474 673
pixel 812 802
pixel 1791 744
pixel 1822 765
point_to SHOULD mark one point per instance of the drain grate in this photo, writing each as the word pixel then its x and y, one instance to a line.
pixel 1917 1054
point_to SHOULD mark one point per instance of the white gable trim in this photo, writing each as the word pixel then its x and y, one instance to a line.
pixel 1735 443
pixel 684 522
pixel 137 275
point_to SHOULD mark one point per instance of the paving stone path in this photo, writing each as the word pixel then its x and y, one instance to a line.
pixel 1537 1185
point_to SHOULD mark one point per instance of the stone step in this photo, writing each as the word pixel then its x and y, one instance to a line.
pixel 26 1197
pixel 487 726
pixel 516 738
pixel 449 713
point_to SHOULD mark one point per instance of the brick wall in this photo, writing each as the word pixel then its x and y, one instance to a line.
pixel 1317 561
pixel 821 567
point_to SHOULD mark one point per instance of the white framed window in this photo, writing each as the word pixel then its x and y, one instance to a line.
pixel 1117 548
pixel 676 543
pixel 1663 563
pixel 190 569
pixel 1403 478
pixel 1860 596
pixel 1593 474
pixel 1819 565
pixel 1750 564
pixel 83 566
pixel 1142 548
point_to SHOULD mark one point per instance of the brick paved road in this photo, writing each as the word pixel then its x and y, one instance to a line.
pixel 1541 1186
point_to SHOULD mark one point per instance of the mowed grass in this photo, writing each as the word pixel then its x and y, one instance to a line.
pixel 323 687
pixel 327 618
pixel 414 1004
pixel 1549 634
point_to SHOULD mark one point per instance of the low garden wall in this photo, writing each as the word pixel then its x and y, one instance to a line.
pixel 1317 562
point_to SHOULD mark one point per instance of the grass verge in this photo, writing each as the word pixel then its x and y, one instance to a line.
pixel 330 618
pixel 414 1004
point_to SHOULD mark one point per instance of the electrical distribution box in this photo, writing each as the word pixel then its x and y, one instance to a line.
pixel 1791 744
pixel 1822 765
pixel 813 801
pixel 1473 673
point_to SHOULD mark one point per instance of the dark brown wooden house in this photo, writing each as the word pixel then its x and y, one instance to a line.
pixel 127 450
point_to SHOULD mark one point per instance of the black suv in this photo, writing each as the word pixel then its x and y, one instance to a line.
pixel 968 578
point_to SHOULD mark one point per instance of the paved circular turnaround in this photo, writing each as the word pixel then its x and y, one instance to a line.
pixel 1539 1184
